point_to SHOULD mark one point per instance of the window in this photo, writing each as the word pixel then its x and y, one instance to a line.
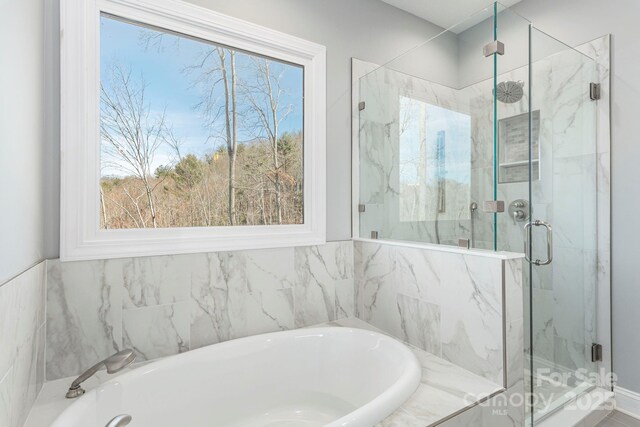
pixel 197 132
pixel 435 161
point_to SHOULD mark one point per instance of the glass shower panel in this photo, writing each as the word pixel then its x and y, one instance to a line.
pixel 562 207
pixel 425 137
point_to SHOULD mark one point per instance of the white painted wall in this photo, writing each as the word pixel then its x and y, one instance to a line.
pixel 575 22
pixel 21 135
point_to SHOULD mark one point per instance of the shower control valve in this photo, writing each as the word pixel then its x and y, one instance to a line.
pixel 519 210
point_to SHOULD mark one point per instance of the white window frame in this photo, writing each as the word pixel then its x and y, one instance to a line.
pixel 80 235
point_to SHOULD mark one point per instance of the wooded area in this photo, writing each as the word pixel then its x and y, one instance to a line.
pixel 252 182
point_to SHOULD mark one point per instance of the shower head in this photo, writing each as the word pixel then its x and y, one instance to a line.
pixel 509 91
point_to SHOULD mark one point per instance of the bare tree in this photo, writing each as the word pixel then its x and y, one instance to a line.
pixel 265 95
pixel 130 134
pixel 217 67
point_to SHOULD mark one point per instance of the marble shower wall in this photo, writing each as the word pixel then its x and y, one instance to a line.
pixel 165 305
pixel 377 131
pixel 461 306
pixel 22 344
pixel 574 155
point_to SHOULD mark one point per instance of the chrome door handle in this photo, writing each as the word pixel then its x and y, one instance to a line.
pixel 527 233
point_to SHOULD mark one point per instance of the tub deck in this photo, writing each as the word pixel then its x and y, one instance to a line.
pixel 445 391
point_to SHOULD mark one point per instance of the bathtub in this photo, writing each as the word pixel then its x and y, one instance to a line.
pixel 306 377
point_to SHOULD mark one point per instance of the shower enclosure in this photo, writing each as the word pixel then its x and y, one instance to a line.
pixel 485 137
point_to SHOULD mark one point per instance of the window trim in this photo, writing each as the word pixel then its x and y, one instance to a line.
pixel 80 235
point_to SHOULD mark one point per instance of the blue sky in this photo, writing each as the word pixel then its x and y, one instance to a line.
pixel 169 86
pixel 457 129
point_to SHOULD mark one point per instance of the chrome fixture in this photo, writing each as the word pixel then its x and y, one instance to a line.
pixel 519 210
pixel 527 233
pixel 464 243
pixel 596 352
pixel 594 91
pixel 119 421
pixel 473 207
pixel 495 46
pixel 114 363
pixel 493 206
pixel 374 235
pixel 509 92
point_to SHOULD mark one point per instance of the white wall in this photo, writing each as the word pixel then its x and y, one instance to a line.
pixel 575 22
pixel 21 136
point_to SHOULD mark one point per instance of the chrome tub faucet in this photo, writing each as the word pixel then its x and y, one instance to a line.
pixel 114 363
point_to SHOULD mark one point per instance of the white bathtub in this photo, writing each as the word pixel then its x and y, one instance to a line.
pixel 305 377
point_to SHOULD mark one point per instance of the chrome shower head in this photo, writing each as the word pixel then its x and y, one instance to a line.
pixel 509 91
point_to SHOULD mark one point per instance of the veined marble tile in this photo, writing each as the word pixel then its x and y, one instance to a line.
pixel 84 316
pixel 377 300
pixel 6 392
pixel 420 323
pixel 8 325
pixel 154 280
pixel 41 339
pixel 318 269
pixel 345 298
pixel 428 404
pixel 25 390
pixel 472 314
pixel 400 418
pixel 418 273
pixel 21 312
pixel 216 279
pixel 472 417
pixel 270 269
pixel 459 349
pixel 156 331
pixel 506 409
pixel 543 325
pixel 451 378
pixel 268 311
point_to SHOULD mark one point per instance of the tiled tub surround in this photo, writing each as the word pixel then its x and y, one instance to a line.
pixel 22 336
pixel 165 305
pixel 459 305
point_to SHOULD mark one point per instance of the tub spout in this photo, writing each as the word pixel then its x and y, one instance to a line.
pixel 114 363
pixel 119 421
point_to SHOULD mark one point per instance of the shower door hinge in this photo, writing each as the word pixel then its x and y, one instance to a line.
pixel 361 208
pixel 374 235
pixel 495 46
pixel 594 91
pixel 596 352
pixel 493 206
pixel 362 105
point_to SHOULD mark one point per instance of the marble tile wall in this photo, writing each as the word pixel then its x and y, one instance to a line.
pixel 165 305
pixel 377 129
pixel 447 303
pixel 22 344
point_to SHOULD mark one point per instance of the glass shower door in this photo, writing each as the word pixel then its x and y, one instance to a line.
pixel 560 234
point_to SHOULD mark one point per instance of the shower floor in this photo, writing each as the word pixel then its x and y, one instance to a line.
pixel 550 395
